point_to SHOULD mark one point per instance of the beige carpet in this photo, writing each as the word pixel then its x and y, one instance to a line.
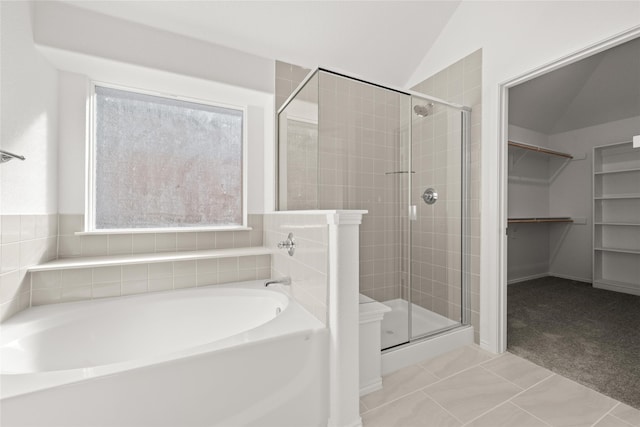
pixel 589 335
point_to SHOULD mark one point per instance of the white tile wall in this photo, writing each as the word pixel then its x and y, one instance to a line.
pixel 72 245
pixel 90 283
pixel 31 239
pixel 25 240
pixel 308 267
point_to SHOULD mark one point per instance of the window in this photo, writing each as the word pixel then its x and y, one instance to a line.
pixel 160 162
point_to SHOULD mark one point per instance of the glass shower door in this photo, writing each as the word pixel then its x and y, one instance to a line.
pixel 436 218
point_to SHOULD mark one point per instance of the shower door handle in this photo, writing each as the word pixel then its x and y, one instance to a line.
pixel 413 213
pixel 430 196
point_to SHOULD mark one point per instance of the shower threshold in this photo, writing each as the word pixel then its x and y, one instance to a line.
pixel 395 329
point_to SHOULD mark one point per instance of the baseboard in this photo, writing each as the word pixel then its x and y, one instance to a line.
pixel 374 385
pixel 565 276
pixel 524 279
pixel 548 274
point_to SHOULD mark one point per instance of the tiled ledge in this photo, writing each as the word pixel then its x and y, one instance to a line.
pixel 105 261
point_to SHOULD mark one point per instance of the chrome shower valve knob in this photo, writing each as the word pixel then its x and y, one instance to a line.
pixel 289 244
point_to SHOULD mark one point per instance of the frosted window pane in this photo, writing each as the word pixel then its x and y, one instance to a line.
pixel 161 162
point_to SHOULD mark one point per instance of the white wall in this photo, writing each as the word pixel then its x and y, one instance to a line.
pixel 516 37
pixel 89 46
pixel 527 244
pixel 29 117
pixel 70 28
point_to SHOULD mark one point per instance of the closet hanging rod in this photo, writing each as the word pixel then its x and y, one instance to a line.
pixel 539 149
pixel 5 156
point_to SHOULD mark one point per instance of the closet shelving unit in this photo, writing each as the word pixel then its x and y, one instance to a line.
pixel 557 161
pixel 616 213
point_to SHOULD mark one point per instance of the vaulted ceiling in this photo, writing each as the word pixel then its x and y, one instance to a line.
pixel 598 89
pixel 383 41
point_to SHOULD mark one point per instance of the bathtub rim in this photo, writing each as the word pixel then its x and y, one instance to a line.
pixel 293 320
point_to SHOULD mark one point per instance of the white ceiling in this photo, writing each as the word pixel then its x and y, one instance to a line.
pixel 599 89
pixel 381 41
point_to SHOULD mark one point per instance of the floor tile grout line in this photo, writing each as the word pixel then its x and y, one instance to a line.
pixel 391 401
pixel 420 388
pixel 442 407
pixel 428 385
pixel 491 357
pixel 527 389
pixel 501 377
pixel 554 374
pixel 530 413
pixel 454 374
pixel 517 385
pixel 609 412
pixel 506 402
pixel 618 418
pixel 479 365
pixel 509 400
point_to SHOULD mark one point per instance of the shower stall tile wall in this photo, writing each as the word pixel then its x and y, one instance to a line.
pixel 26 240
pixel 358 168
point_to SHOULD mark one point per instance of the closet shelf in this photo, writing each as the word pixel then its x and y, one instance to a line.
pixel 148 258
pixel 539 220
pixel 617 171
pixel 616 251
pixel 539 149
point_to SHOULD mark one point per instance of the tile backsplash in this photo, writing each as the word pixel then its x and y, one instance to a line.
pixel 308 268
pixel 25 240
pixel 100 282
pixel 72 245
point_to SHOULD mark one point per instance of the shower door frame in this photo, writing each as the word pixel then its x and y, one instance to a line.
pixel 465 126
pixel 465 303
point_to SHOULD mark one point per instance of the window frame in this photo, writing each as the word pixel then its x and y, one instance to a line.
pixel 90 162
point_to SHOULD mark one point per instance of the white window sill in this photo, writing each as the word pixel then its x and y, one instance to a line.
pixel 149 258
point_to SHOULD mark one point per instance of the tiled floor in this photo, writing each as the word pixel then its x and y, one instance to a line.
pixel 471 387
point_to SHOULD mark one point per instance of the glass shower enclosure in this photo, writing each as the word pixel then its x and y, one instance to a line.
pixel 344 143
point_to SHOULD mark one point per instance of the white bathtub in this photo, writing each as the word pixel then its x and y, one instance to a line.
pixel 232 355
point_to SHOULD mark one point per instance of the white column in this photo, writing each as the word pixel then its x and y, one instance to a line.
pixel 343 318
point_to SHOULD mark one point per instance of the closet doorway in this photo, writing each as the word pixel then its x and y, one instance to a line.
pixel 573 214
